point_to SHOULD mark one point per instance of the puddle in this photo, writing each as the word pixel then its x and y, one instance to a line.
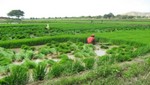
pixel 56 60
pixel 100 52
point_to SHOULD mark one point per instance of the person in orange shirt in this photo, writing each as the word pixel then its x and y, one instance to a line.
pixel 91 39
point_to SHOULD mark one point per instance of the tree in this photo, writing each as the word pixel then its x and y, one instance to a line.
pixel 17 13
pixel 110 15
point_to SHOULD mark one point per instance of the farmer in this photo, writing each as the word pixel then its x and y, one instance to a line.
pixel 91 39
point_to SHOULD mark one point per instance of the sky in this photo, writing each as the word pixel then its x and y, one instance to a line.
pixel 72 8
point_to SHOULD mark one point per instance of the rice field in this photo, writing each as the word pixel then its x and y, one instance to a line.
pixel 34 55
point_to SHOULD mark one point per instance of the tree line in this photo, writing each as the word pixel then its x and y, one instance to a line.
pixel 19 13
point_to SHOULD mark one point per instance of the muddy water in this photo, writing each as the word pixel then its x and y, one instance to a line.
pixel 100 52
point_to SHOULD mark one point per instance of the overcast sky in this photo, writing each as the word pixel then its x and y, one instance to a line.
pixel 62 8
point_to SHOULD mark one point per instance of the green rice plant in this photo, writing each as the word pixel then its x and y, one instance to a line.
pixel 104 47
pixel 73 46
pixel 68 68
pixel 28 54
pixel 18 76
pixel 79 55
pixel 39 56
pixel 107 70
pixel 44 50
pixel 89 63
pixel 29 64
pixel 107 44
pixel 26 47
pixel 53 51
pixel 86 54
pixel 3 70
pixel 132 71
pixel 5 61
pixel 148 61
pixel 39 71
pixel 80 43
pixel 78 67
pixel 92 53
pixel 63 56
pixel 51 62
pixel 19 56
pixel 56 70
pixel 110 51
pixel 106 59
pixel 121 58
pixel 3 82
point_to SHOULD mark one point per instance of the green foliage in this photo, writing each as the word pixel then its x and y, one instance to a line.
pixel 132 71
pixel 4 61
pixel 63 56
pixel 18 76
pixel 29 64
pixel 38 56
pixel 39 71
pixel 16 13
pixel 3 82
pixel 26 47
pixel 65 68
pixel 50 62
pixel 56 70
pixel 4 70
pixel 44 50
pixel 79 55
pixel 104 47
pixel 89 63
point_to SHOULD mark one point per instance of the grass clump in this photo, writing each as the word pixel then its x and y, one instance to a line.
pixel 18 76
pixel 39 72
